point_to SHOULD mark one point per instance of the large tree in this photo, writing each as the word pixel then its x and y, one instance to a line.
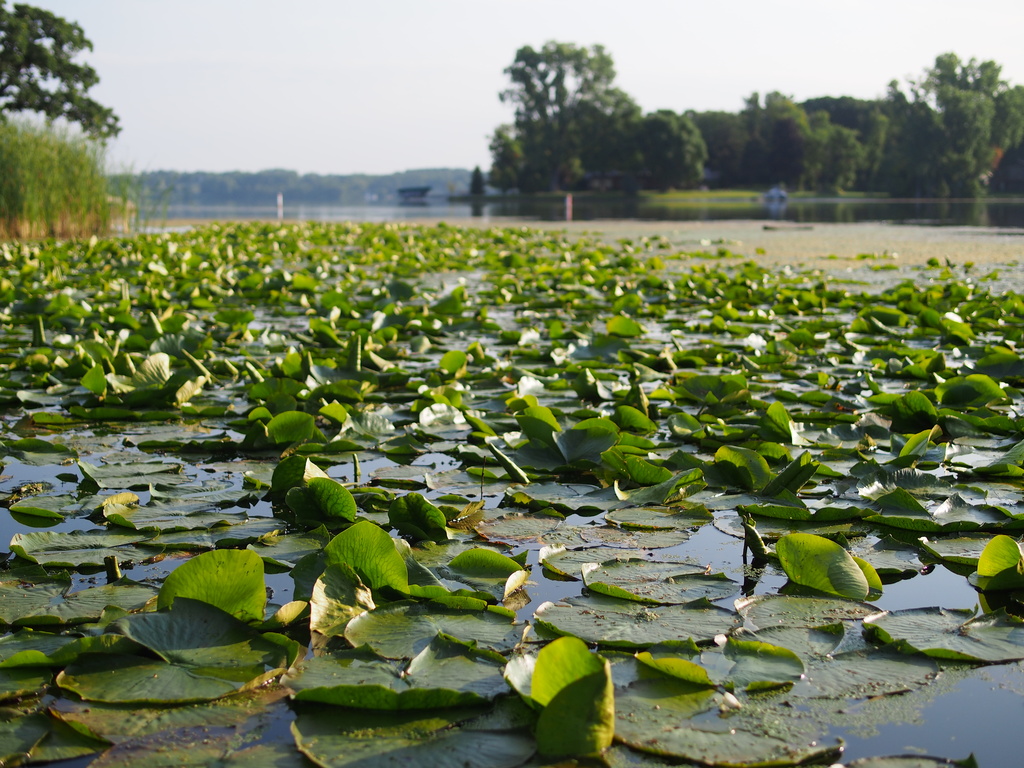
pixel 39 73
pixel 952 127
pixel 725 136
pixel 673 150
pixel 554 91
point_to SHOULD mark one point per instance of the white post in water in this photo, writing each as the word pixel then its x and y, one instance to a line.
pixel 568 207
pixel 280 206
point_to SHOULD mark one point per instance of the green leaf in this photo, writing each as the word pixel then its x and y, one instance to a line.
pixel 629 419
pixel 816 562
pixel 292 472
pixel 294 427
pixel 447 738
pixel 951 634
pixel 204 654
pixel 333 498
pixel 778 425
pixel 371 553
pixel 403 629
pixel 682 669
pixel 740 468
pixel 624 327
pixel 976 389
pixel 621 624
pixel 339 595
pixel 412 515
pixel 95 380
pixel 447 673
pixel 229 579
pixel 515 473
pixel 483 562
pixel 1000 553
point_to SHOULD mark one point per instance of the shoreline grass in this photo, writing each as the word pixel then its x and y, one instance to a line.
pixel 53 183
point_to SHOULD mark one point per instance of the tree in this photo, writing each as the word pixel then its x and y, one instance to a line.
pixel 673 149
pixel 476 182
pixel 38 72
pixel 833 155
pixel 551 90
pixel 953 127
pixel 506 159
pixel 725 137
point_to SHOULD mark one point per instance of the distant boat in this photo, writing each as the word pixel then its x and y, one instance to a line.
pixel 412 194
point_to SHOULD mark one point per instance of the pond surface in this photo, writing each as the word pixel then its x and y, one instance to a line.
pixel 1005 213
pixel 457 447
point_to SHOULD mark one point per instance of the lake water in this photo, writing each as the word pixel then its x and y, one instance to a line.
pixel 1003 213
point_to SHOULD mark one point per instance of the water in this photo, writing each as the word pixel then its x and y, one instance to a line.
pixel 1001 213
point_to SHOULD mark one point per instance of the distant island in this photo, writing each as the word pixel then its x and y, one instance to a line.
pixel 262 187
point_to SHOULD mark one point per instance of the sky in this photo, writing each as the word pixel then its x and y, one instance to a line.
pixel 341 87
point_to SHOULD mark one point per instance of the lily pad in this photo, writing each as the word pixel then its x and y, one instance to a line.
pixel 623 624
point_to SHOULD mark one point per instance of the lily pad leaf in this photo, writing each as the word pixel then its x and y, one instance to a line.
pixel 371 553
pixel 204 652
pixel 83 549
pixel 50 601
pixel 339 595
pixel 446 739
pixel 738 468
pixel 800 611
pixel 975 389
pixel 944 633
pixel 649 581
pixel 404 629
pixel 323 498
pixel 447 673
pixel 412 515
pixel 616 623
pixel 574 689
pixel 230 579
pixel 821 564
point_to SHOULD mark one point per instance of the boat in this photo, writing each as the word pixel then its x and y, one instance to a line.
pixel 412 194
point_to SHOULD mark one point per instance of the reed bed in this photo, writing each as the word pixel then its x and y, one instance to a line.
pixel 52 183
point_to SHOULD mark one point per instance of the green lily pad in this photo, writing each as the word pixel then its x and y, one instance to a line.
pixel 402 630
pixel 447 673
pixel 796 611
pixel 623 624
pixel 204 654
pixel 231 580
pixel 447 739
pixel 50 601
pixel 650 581
pixel 951 634
pixel 821 564
pixel 82 549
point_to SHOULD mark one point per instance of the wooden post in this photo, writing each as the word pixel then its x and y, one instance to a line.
pixel 568 207
pixel 280 206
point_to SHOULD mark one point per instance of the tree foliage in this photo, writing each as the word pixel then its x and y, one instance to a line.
pixel 550 89
pixel 476 182
pixel 951 127
pixel 673 150
pixel 571 121
pixel 38 71
pixel 943 134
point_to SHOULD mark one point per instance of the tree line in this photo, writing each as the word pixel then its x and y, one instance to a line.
pixel 957 131
pixel 262 187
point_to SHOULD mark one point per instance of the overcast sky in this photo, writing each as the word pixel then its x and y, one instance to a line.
pixel 333 86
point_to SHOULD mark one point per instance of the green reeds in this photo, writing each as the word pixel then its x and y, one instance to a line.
pixel 52 183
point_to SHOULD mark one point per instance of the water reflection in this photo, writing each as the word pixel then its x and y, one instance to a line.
pixel 1008 213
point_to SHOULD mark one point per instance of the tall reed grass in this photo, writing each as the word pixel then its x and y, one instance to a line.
pixel 52 183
